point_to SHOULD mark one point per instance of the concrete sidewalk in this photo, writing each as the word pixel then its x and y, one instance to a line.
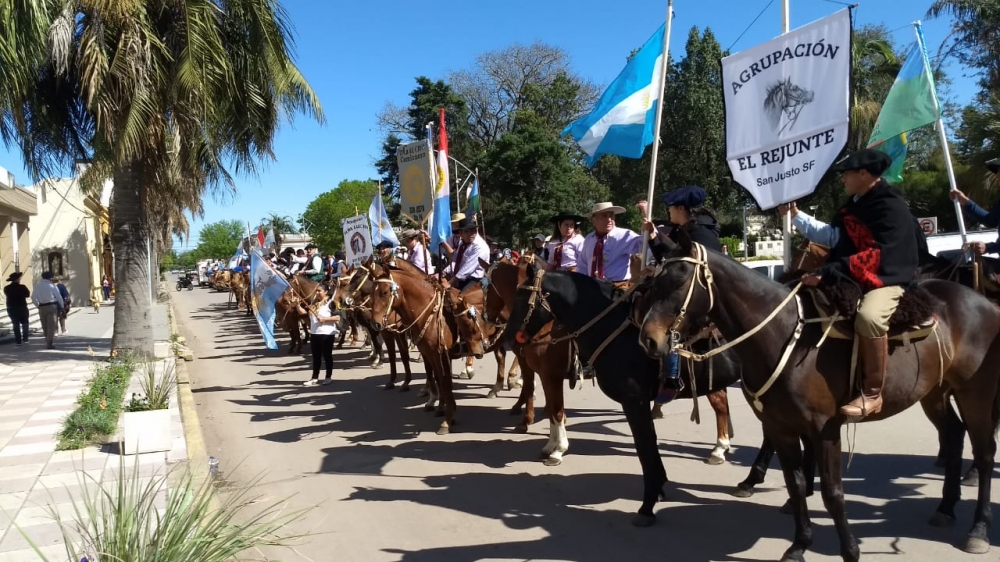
pixel 38 389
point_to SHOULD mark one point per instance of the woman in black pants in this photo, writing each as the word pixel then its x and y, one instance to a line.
pixel 323 319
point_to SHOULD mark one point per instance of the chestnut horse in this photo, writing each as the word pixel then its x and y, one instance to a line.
pixel 796 379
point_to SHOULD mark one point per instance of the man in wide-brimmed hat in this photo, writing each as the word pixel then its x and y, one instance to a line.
pixel 989 219
pixel 413 240
pixel 465 267
pixel 879 252
pixel 606 250
pixel 17 306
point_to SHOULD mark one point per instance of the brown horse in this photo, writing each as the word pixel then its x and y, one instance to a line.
pixel 478 335
pixel 357 297
pixel 288 317
pixel 419 304
pixel 797 379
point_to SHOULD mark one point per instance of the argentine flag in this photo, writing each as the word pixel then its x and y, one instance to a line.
pixel 623 120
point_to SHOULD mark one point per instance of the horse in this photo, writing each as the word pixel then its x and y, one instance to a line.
pixel 600 322
pixel 796 378
pixel 288 317
pixel 357 297
pixel 408 293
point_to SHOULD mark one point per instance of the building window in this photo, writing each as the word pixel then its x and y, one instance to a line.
pixel 56 263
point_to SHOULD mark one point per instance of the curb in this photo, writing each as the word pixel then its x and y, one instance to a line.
pixel 196 451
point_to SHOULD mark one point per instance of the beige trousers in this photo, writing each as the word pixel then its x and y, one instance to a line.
pixel 48 316
pixel 872 320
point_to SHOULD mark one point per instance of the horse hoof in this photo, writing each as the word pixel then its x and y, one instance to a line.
pixel 444 429
pixel 742 493
pixel 552 461
pixel 422 393
pixel 971 480
pixel 492 394
pixel 793 557
pixel 514 410
pixel 375 365
pixel 715 460
pixel 787 508
pixel 643 521
pixel 941 520
pixel 976 545
pixel 521 428
pixel 657 414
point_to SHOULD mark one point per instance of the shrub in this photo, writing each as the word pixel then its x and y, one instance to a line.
pixel 96 415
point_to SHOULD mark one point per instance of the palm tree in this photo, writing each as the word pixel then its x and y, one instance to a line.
pixel 281 224
pixel 161 95
pixel 874 66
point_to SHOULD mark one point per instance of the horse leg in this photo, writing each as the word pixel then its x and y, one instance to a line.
pixel 390 345
pixel 719 400
pixel 404 355
pixel 430 388
pixel 469 371
pixel 790 456
pixel 558 443
pixel 527 399
pixel 512 376
pixel 832 488
pixel 340 344
pixel 447 397
pixel 980 412
pixel 654 476
pixel 501 358
pixel 951 437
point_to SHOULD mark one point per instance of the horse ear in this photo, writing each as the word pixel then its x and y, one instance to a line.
pixel 684 243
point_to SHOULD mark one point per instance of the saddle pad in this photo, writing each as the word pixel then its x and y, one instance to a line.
pixel 842 329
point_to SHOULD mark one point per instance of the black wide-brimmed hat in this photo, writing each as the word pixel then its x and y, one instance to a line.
pixel 875 162
pixel 993 165
pixel 467 223
pixel 15 276
pixel 564 216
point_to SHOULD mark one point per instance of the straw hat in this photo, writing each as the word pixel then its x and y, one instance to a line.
pixel 457 217
pixel 604 207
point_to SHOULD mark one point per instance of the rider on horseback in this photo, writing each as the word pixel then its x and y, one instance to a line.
pixel 465 268
pixel 607 250
pixel 565 244
pixel 313 267
pixel 873 244
pixel 989 218
pixel 688 211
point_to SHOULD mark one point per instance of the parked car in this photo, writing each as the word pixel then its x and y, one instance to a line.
pixel 772 269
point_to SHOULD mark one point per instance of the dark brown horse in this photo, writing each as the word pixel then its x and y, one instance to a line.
pixel 357 297
pixel 797 385
pixel 599 321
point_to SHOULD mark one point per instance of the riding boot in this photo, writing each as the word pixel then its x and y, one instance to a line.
pixel 874 353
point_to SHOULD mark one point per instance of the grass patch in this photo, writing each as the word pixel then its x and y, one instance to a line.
pixel 98 408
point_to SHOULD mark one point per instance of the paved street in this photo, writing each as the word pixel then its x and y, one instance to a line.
pixel 385 487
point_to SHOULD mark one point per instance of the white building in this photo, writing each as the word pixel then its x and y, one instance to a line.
pixel 70 236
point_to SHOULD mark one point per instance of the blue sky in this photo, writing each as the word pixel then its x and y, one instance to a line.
pixel 360 55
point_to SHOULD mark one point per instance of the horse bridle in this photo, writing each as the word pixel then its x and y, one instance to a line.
pixel 487 284
pixel 394 294
pixel 364 279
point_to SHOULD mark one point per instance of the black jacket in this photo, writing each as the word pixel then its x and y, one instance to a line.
pixel 877 247
pixel 702 229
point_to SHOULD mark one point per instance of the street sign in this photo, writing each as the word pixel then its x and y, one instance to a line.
pixel 929 225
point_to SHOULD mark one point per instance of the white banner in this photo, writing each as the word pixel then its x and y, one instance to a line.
pixel 788 108
pixel 357 239
pixel 416 191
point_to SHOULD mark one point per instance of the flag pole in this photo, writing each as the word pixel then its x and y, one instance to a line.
pixel 482 215
pixel 659 120
pixel 942 136
pixel 786 219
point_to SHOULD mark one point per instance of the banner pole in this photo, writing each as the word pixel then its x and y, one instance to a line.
pixel 659 120
pixel 786 226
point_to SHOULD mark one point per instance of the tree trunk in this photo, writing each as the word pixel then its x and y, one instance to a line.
pixel 130 231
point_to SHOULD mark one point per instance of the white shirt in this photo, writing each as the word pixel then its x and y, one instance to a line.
pixel 45 292
pixel 322 328
pixel 619 245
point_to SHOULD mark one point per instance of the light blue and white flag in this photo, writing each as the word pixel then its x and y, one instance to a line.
pixel 235 260
pixel 266 287
pixel 381 227
pixel 623 120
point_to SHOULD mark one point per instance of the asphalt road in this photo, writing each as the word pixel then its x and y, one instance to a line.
pixel 383 486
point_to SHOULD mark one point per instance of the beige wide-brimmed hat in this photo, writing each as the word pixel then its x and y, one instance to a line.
pixel 604 207
pixel 457 217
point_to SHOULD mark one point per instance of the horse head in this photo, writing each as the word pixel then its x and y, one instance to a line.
pixel 386 296
pixel 529 313
pixel 495 309
pixel 679 294
pixel 466 306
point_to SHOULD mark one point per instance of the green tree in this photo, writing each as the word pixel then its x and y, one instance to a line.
pixel 160 96
pixel 322 216
pixel 168 261
pixel 219 240
pixel 281 225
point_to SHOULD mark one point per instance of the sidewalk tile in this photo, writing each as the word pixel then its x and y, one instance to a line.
pixel 20 471
pixel 40 458
pixel 13 501
pixel 94 463
pixel 34 516
pixel 15 414
pixel 52 553
pixel 16 486
pixel 48 534
pixel 35 430
pixel 28 448
pixel 58 415
pixel 68 479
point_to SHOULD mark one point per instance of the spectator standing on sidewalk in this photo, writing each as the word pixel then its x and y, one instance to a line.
pixel 47 299
pixel 16 296
pixel 64 311
pixel 323 319
pixel 106 288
